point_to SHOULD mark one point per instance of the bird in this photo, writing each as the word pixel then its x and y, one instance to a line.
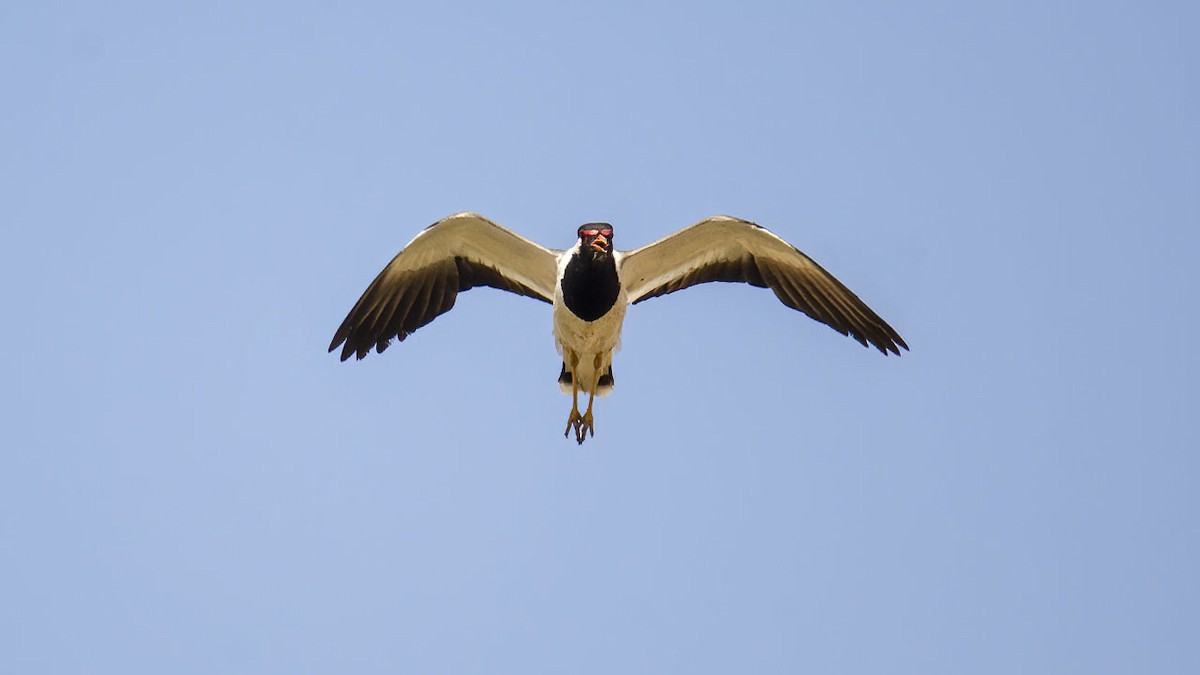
pixel 589 287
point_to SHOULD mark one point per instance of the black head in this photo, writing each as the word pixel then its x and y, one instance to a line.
pixel 597 237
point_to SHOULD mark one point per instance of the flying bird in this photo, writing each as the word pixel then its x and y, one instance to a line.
pixel 590 285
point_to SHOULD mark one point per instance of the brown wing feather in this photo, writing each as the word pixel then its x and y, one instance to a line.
pixel 424 279
pixel 723 248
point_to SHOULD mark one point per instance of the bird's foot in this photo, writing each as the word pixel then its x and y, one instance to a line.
pixel 573 422
pixel 585 426
pixel 582 424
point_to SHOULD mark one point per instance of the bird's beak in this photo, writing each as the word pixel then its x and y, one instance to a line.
pixel 600 243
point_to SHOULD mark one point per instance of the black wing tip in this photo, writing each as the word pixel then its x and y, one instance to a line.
pixel 896 341
pixel 337 342
pixel 347 351
pixel 360 352
pixel 892 345
pixel 342 339
pixel 887 341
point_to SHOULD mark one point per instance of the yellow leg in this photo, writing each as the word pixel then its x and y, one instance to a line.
pixel 586 424
pixel 574 418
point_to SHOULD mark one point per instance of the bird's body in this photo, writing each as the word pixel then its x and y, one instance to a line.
pixel 590 286
pixel 592 326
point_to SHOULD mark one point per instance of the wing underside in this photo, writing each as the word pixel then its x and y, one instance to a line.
pixel 723 248
pixel 423 280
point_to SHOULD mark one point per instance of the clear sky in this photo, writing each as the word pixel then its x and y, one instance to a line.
pixel 194 194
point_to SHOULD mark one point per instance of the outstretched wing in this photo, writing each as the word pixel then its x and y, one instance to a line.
pixel 724 248
pixel 452 255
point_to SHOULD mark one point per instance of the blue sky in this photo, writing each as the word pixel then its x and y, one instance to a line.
pixel 195 194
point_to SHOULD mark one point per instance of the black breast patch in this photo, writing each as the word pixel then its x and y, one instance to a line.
pixel 590 285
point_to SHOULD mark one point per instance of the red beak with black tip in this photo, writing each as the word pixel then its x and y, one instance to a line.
pixel 600 243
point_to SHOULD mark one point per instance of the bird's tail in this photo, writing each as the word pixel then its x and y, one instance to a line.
pixel 603 388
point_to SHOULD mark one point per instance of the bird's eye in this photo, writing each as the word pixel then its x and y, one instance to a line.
pixel 588 233
pixel 607 232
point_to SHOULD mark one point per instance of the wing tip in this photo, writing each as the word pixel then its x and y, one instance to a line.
pixel 337 342
pixel 358 352
pixel 892 345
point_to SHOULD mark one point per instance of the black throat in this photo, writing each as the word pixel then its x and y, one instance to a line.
pixel 590 284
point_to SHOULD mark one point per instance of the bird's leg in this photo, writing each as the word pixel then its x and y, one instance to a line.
pixel 586 423
pixel 574 418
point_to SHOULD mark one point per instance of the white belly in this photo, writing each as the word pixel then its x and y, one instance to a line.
pixel 576 338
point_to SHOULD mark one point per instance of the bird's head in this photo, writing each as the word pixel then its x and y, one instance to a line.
pixel 596 237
